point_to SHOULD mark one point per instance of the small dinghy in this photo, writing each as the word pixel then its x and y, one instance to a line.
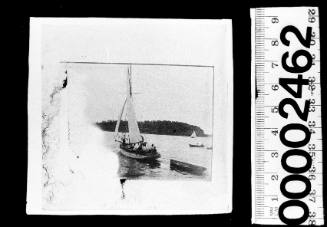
pixel 133 144
pixel 193 134
pixel 197 145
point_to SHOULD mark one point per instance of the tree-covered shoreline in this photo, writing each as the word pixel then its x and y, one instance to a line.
pixel 174 128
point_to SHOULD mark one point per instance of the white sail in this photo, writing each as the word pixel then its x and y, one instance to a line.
pixel 193 134
pixel 134 132
pixel 119 119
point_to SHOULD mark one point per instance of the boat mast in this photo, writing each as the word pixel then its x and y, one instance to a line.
pixel 129 81
pixel 134 131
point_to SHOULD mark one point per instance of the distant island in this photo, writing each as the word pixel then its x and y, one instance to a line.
pixel 174 128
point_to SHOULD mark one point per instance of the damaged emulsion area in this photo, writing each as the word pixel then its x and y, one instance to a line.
pixel 58 88
pixel 122 182
pixel 47 120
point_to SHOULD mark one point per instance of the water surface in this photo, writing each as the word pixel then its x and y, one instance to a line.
pixel 169 147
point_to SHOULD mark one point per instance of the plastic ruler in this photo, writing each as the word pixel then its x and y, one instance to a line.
pixel 286 117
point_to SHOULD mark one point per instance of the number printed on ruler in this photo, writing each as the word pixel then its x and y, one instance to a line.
pixel 286 117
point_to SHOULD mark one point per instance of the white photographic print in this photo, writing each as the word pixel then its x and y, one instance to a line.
pixel 130 116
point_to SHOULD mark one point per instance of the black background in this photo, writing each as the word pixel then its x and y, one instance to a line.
pixel 16 29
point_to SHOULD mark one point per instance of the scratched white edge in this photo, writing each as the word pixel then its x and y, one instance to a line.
pixel 252 16
pixel 34 184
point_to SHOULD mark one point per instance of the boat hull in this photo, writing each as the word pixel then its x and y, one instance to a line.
pixel 148 155
pixel 186 167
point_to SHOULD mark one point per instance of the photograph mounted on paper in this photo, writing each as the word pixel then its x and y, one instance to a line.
pixel 130 116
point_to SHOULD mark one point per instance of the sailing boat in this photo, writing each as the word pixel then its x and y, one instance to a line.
pixel 133 144
pixel 198 144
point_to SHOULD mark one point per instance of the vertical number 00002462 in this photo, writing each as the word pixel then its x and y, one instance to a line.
pixel 286 117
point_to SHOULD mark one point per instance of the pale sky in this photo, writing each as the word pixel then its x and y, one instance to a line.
pixel 167 93
pixel 175 93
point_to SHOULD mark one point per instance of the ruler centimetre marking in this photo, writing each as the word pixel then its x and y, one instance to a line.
pixel 279 114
